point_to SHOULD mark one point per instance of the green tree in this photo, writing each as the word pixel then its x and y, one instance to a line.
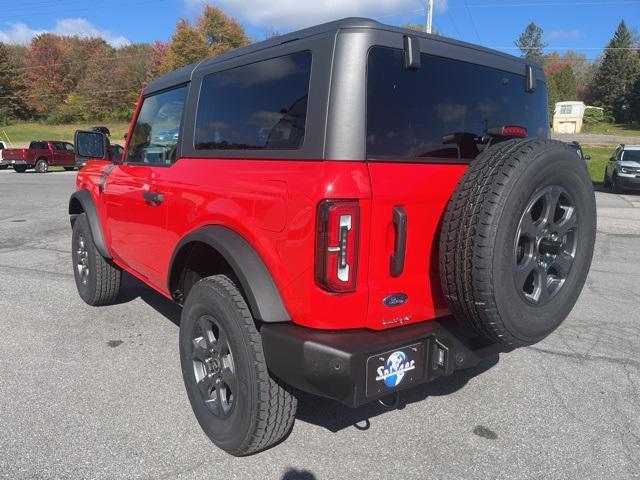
pixel 530 43
pixel 565 81
pixel 635 102
pixel 553 96
pixel 616 75
pixel 12 105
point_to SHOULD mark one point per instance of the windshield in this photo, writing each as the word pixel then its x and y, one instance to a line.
pixel 445 109
pixel 631 156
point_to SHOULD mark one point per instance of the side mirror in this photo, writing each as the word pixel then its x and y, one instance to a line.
pixel 612 159
pixel 587 157
pixel 91 145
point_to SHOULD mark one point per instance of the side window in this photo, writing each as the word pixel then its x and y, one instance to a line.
pixel 38 146
pixel 68 147
pixel 155 136
pixel 57 145
pixel 258 106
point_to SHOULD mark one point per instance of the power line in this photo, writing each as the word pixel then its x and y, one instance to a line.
pixel 82 9
pixel 466 3
pixel 549 4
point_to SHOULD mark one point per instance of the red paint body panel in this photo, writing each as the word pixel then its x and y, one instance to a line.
pixel 53 156
pixel 273 204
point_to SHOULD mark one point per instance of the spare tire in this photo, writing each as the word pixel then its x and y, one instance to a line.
pixel 517 240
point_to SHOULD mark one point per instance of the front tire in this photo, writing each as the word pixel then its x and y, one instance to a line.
pixel 69 169
pixel 42 166
pixel 606 183
pixel 97 279
pixel 238 404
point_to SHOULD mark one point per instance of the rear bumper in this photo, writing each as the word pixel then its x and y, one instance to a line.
pixel 12 162
pixel 630 182
pixel 334 364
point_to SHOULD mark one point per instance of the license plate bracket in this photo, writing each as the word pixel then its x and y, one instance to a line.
pixel 395 369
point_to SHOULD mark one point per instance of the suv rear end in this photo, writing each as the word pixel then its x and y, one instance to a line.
pixel 324 203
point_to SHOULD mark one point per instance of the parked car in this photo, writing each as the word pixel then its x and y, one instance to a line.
pixel 41 155
pixel 575 146
pixel 3 165
pixel 623 169
pixel 349 210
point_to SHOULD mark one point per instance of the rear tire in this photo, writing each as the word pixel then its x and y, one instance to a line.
pixel 97 279
pixel 517 240
pixel 238 404
pixel 69 169
pixel 20 169
pixel 42 166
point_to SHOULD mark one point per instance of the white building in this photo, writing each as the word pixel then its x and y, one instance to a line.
pixel 567 117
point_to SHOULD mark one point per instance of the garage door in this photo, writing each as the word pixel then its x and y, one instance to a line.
pixel 567 127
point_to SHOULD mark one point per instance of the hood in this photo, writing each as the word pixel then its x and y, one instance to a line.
pixel 630 163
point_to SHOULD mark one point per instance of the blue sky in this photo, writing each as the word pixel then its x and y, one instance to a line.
pixel 585 25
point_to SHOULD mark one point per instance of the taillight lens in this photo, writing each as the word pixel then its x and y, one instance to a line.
pixel 338 226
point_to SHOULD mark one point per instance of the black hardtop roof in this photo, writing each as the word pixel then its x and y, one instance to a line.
pixel 184 74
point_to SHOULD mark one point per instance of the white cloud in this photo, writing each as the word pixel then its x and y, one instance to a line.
pixel 563 34
pixel 19 33
pixel 288 15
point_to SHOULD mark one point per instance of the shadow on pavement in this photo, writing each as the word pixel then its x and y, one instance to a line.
pixel 334 416
pixel 319 411
pixel 133 288
pixel 293 474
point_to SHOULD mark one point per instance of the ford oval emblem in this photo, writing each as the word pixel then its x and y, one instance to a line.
pixel 395 299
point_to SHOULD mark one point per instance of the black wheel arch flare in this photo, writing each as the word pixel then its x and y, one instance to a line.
pixel 82 202
pixel 258 286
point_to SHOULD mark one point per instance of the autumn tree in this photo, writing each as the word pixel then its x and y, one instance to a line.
pixel 213 33
pixel 48 79
pixel 158 60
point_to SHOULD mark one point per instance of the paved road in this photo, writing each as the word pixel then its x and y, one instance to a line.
pixel 590 138
pixel 97 392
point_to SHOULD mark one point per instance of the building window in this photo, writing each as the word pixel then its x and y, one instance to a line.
pixel 565 109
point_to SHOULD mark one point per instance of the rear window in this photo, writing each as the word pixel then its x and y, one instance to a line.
pixel 38 146
pixel 443 109
pixel 258 106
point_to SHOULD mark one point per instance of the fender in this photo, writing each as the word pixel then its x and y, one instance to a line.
pixel 257 283
pixel 82 202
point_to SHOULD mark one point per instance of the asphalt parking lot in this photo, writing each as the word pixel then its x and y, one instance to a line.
pixel 97 392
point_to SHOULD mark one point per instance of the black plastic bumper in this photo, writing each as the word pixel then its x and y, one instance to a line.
pixel 629 183
pixel 334 364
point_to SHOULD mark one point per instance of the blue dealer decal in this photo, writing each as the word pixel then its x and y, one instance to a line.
pixel 393 371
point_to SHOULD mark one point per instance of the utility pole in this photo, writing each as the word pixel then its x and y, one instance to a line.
pixel 429 15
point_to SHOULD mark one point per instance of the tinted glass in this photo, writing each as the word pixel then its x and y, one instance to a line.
pixel 38 146
pixel 443 109
pixel 57 145
pixel 631 156
pixel 68 147
pixel 257 106
pixel 155 136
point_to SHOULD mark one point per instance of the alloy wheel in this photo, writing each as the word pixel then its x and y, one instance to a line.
pixel 82 259
pixel 545 245
pixel 213 366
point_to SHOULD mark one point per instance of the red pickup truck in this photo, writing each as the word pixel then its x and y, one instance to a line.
pixel 40 155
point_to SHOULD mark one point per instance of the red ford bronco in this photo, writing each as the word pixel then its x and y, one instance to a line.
pixel 349 210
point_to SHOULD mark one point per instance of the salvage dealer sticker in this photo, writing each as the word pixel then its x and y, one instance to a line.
pixel 394 369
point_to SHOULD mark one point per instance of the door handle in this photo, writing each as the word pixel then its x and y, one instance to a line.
pixel 400 246
pixel 153 198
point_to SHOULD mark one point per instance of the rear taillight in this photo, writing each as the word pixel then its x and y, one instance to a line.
pixel 337 232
